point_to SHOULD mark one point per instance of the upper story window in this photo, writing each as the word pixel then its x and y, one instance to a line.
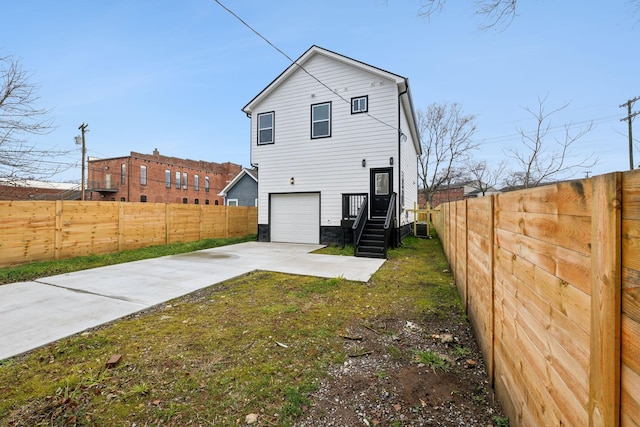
pixel 321 120
pixel 177 180
pixel 184 180
pixel 143 175
pixel 123 173
pixel 265 128
pixel 206 184
pixel 196 182
pixel 167 178
pixel 359 104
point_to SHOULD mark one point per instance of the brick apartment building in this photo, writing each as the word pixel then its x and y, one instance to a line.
pixel 155 178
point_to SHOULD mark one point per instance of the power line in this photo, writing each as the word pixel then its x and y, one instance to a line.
pixel 628 119
pixel 293 62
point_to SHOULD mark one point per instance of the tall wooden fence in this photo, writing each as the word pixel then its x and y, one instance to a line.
pixel 550 278
pixel 47 230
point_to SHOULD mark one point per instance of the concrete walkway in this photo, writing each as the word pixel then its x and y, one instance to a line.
pixel 33 314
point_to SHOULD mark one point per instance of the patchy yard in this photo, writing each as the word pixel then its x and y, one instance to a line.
pixel 271 349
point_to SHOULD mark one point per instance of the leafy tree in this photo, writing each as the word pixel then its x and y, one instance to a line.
pixel 446 138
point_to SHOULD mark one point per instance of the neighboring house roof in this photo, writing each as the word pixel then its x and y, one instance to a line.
pixel 401 82
pixel 253 173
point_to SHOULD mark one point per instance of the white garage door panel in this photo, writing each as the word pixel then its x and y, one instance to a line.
pixel 295 218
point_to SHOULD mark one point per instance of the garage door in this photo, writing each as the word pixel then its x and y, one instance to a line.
pixel 295 218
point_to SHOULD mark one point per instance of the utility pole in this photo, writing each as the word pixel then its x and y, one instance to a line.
pixel 83 128
pixel 629 118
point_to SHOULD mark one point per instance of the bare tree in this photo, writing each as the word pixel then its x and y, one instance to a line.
pixel 497 13
pixel 446 139
pixel 485 178
pixel 20 116
pixel 543 157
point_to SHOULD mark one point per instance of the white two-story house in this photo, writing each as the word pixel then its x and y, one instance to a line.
pixel 332 138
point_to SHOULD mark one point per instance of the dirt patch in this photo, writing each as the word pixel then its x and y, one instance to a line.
pixel 387 382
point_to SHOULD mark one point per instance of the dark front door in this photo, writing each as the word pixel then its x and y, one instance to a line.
pixel 381 189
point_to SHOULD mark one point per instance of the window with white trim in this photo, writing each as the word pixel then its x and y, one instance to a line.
pixel 360 104
pixel 196 182
pixel 232 202
pixel 321 120
pixel 265 128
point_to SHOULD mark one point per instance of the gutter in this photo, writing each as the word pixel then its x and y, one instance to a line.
pixel 400 189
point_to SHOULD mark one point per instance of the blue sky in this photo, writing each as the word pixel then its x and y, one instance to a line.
pixel 174 75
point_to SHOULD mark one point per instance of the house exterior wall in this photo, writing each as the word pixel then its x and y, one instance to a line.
pixel 105 173
pixel 333 165
pixel 245 191
pixel 408 179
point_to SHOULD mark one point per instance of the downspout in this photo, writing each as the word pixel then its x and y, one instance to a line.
pixel 400 189
pixel 250 141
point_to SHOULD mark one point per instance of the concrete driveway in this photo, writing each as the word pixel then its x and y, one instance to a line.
pixel 33 314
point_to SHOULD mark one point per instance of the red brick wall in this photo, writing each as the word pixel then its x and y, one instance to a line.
pixel 155 188
pixel 449 195
pixel 11 192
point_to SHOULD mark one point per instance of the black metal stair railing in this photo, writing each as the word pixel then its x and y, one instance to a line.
pixel 360 222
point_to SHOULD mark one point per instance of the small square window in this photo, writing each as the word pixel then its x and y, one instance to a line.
pixel 143 198
pixel 359 104
pixel 321 120
pixel 265 128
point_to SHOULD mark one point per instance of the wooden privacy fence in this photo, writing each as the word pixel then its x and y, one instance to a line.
pixel 550 278
pixel 47 230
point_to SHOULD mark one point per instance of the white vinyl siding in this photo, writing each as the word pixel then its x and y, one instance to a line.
pixel 295 218
pixel 330 166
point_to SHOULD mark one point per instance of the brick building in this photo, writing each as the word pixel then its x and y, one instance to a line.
pixel 155 178
pixel 455 192
pixel 27 189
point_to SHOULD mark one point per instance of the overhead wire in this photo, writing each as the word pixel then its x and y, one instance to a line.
pixel 294 62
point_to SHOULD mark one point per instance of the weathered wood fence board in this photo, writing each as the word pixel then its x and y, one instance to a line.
pixel 550 278
pixel 46 230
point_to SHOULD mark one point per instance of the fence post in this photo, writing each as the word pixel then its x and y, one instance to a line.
pixel 466 255
pixel 606 263
pixel 492 282
pixel 121 227
pixel 167 223
pixel 57 233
